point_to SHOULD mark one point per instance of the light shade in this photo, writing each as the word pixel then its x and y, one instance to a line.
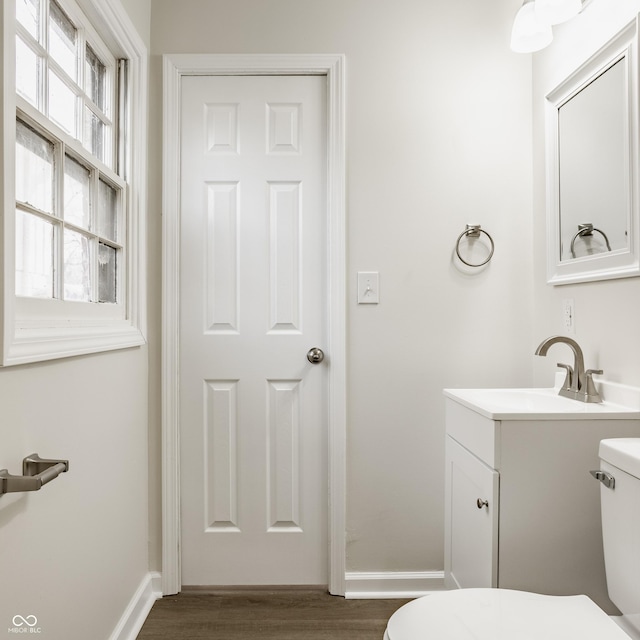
pixel 557 11
pixel 529 33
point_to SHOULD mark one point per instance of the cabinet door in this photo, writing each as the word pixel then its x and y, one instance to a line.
pixel 471 520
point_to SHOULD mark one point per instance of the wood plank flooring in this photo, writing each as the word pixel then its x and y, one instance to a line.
pixel 268 614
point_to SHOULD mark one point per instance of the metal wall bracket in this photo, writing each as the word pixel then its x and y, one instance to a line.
pixel 36 472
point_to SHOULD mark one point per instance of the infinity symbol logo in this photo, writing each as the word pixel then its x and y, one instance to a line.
pixel 30 621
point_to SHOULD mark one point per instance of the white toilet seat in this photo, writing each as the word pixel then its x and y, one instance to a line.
pixel 501 614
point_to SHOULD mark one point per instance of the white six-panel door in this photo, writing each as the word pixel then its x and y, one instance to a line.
pixel 253 282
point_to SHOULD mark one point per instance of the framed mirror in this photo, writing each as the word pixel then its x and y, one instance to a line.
pixel 593 216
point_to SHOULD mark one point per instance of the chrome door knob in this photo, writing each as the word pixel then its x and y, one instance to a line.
pixel 315 355
pixel 482 503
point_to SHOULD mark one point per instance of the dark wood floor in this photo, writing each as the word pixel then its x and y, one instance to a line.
pixel 278 614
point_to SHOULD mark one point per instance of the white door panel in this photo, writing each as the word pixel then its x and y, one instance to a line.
pixel 253 301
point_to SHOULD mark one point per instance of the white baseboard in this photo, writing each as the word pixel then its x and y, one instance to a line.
pixel 136 613
pixel 392 584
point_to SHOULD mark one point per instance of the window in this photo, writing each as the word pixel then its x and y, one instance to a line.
pixel 59 72
pixel 78 216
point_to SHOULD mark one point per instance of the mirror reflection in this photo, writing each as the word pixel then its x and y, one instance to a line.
pixel 593 176
pixel 593 166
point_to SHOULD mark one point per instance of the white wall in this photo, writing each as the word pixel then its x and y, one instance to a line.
pixel 74 553
pixel 605 312
pixel 140 13
pixel 438 135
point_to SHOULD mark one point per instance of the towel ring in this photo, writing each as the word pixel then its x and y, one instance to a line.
pixel 587 229
pixel 474 231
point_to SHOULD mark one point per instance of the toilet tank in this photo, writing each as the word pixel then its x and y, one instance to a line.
pixel 620 506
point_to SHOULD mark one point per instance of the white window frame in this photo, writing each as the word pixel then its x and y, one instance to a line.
pixel 29 334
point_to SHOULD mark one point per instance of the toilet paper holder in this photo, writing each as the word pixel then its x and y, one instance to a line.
pixel 36 472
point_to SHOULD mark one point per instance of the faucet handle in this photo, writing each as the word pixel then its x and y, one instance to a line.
pixel 591 392
pixel 569 377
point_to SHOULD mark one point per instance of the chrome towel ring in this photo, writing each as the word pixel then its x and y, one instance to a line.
pixel 586 229
pixel 474 231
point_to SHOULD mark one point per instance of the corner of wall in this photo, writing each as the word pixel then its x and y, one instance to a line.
pixel 138 609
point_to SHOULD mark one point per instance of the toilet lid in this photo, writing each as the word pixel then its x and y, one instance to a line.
pixel 501 614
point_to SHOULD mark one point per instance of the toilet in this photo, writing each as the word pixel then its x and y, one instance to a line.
pixel 505 614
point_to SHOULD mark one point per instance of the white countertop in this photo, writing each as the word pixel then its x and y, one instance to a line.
pixel 546 404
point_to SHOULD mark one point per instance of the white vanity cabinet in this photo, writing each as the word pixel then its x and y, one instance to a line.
pixel 521 509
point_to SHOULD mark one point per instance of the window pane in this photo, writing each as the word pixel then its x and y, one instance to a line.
pixel 107 211
pixel 34 169
pixel 94 134
pixel 107 271
pixel 77 266
pixel 34 256
pixel 62 104
pixel 26 72
pixel 62 41
pixel 28 15
pixel 77 200
pixel 96 77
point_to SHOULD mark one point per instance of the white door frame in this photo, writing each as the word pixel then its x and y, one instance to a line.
pixel 175 66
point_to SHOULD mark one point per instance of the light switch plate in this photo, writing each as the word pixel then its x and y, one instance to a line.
pixel 368 287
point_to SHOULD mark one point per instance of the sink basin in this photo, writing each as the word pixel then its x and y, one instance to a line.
pixel 545 404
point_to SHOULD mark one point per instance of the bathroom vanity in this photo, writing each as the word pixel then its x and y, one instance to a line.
pixel 521 509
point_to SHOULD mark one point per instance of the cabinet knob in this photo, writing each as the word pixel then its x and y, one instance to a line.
pixel 482 503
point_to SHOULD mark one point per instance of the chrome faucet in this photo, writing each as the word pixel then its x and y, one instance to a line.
pixel 578 383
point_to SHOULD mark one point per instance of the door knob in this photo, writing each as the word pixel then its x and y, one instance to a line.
pixel 315 355
pixel 482 503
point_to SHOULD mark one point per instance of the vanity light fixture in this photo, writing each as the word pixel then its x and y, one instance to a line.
pixel 532 25
pixel 529 33
pixel 557 11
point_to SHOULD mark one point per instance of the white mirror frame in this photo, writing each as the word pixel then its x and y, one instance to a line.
pixel 619 263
